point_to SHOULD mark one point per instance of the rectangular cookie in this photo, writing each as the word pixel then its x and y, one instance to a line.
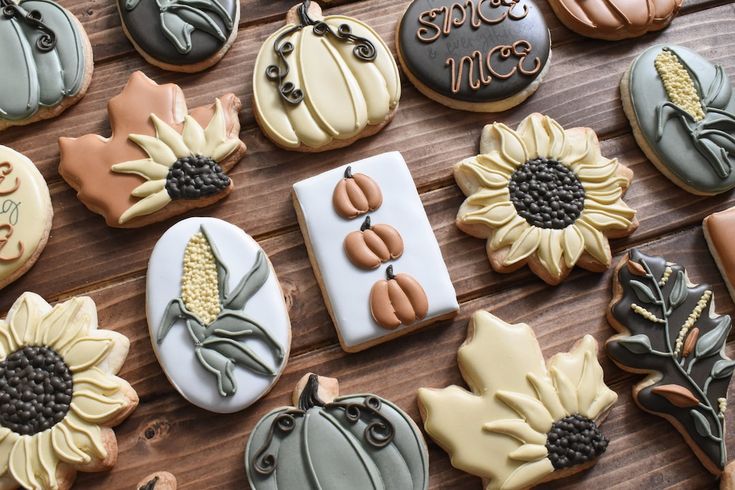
pixel 355 295
pixel 719 231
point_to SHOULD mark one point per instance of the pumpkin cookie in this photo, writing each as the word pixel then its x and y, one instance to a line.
pixel 475 55
pixel 58 354
pixel 668 330
pixel 216 314
pixel 615 19
pixel 25 215
pixel 373 251
pixel 719 231
pixel 323 82
pixel 160 480
pixel 522 423
pixel 544 196
pixel 180 35
pixel 46 59
pixel 159 161
pixel 682 112
pixel 360 439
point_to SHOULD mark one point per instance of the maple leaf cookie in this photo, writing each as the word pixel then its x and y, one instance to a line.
pixel 544 196
pixel 523 422
pixel 160 161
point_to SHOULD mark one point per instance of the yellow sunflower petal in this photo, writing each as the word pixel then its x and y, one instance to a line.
pixel 7 442
pixel 170 137
pixel 546 392
pixel 149 187
pixel 529 452
pixel 550 251
pixel 47 459
pixel 566 390
pixel 486 197
pixel 224 150
pixel 587 386
pixel 583 147
pixel 608 195
pixel 158 151
pixel 498 137
pixel 87 437
pixel 216 132
pixel 526 244
pixel 21 462
pixel 471 175
pixel 595 242
pixel 573 243
pixel 96 379
pixel 596 173
pixel 517 429
pixel 193 135
pixel 528 474
pixel 24 317
pixel 86 352
pixel 494 216
pixel 68 321
pixel 148 169
pixel 611 219
pixel 64 446
pixel 495 161
pixel 543 137
pixel 146 206
pixel 529 408
pixel 7 344
pixel 508 233
pixel 95 407
pixel 604 400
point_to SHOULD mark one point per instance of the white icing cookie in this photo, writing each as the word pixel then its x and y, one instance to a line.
pixel 216 315
pixel 410 287
pixel 25 215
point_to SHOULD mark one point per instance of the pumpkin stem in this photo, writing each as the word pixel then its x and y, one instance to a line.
pixel 309 398
pixel 365 224
pixel 348 172
pixel 389 273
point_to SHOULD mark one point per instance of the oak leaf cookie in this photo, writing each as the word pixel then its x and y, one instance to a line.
pixel 544 196
pixel 667 329
pixel 180 35
pixel 60 393
pixel 360 442
pixel 46 59
pixel 216 314
pixel 323 82
pixel 615 19
pixel 475 55
pixel 25 215
pixel 522 423
pixel 159 161
pixel 682 111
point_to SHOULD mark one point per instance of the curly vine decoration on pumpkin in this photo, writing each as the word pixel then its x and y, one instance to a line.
pixel 47 41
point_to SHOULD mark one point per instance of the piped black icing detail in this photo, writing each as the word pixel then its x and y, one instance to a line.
pixel 378 433
pixel 150 485
pixel 364 50
pixel 47 41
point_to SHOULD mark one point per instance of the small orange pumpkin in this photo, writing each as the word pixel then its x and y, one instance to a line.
pixel 373 245
pixel 400 300
pixel 355 195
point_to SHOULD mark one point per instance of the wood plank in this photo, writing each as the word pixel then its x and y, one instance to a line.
pixel 165 428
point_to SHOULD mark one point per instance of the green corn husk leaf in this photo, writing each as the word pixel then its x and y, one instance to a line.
pixel 198 19
pixel 234 325
pixel 177 31
pixel 250 284
pixel 239 353
pixel 131 4
pixel 221 367
pixel 211 6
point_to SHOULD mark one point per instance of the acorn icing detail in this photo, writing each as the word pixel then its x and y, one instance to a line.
pixel 356 194
pixel 399 300
pixel 373 245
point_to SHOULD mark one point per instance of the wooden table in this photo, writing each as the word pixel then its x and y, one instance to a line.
pixel 205 450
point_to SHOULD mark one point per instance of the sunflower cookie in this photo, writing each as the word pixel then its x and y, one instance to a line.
pixel 324 441
pixel 682 111
pixel 719 231
pixel 475 55
pixel 159 161
pixel 25 215
pixel 544 196
pixel 373 251
pixel 160 480
pixel 615 19
pixel 323 82
pixel 180 35
pixel 46 59
pixel 59 394
pixel 516 426
pixel 667 329
pixel 216 314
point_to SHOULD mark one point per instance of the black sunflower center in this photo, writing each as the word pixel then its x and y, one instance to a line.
pixel 35 390
pixel 195 177
pixel 546 193
pixel 574 440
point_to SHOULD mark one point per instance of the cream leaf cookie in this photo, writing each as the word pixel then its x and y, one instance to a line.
pixel 512 428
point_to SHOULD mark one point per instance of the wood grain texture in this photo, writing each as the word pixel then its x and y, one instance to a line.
pixel 206 451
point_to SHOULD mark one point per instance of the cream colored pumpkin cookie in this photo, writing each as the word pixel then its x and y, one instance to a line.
pixel 544 196
pixel 323 82
pixel 523 422
pixel 59 393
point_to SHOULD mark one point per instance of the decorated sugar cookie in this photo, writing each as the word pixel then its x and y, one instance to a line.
pixel 475 55
pixel 682 111
pixel 25 215
pixel 180 35
pixel 216 314
pixel 523 422
pixel 324 441
pixel 544 196
pixel 615 19
pixel 667 329
pixel 60 393
pixel 373 251
pixel 159 161
pixel 46 59
pixel 323 82
pixel 719 231
pixel 160 480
